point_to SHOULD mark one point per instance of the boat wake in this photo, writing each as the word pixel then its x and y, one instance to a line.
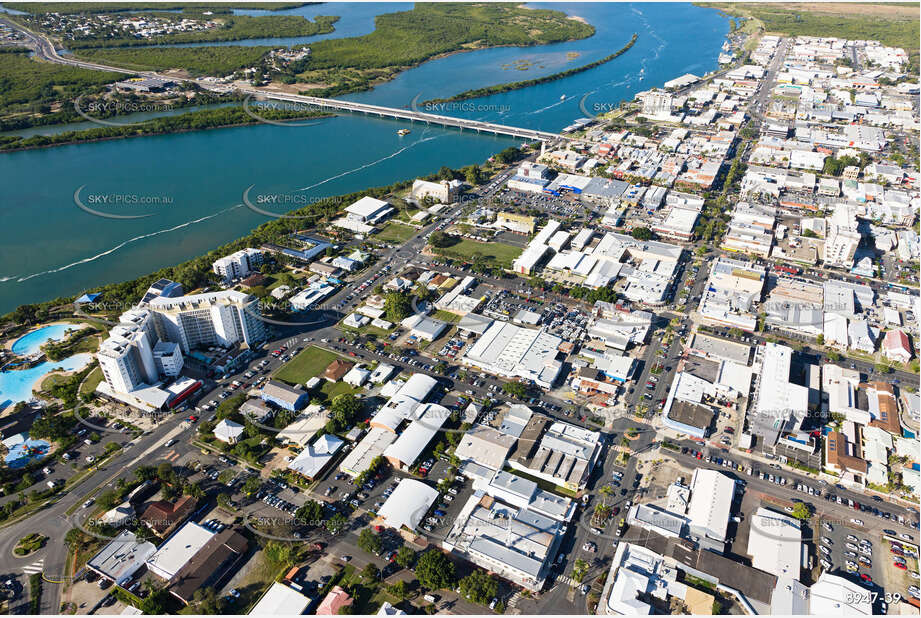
pixel 120 246
pixel 372 163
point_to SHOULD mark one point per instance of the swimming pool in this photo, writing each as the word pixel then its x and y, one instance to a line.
pixel 16 386
pixel 27 344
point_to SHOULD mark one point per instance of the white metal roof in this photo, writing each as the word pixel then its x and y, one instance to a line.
pixel 711 502
pixel 280 600
pixel 179 549
pixel 408 504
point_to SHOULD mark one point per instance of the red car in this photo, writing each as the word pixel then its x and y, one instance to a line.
pixel 192 419
pixel 699 455
pixel 899 565
pixel 866 578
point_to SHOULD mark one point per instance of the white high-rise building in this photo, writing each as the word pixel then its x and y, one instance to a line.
pixel 238 264
pixel 126 357
pixel 168 356
pixel 216 318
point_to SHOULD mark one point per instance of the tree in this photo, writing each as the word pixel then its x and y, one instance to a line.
pixel 435 571
pixel 310 514
pixel 579 570
pixel 440 240
pixel 251 485
pixel 157 601
pixel 820 340
pixel 642 233
pixel 344 409
pixel 405 557
pixel 336 523
pixel 371 572
pixel 397 306
pixel 206 601
pixel 399 589
pixel 515 389
pixel 479 587
pixel 370 542
pixel 801 512
pixel 108 499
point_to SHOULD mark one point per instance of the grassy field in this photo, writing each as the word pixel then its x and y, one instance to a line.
pixel 497 253
pixel 91 381
pixel 446 316
pixel 396 233
pixel 308 364
pixel 891 24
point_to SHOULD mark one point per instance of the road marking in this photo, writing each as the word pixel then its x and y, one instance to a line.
pixel 35 567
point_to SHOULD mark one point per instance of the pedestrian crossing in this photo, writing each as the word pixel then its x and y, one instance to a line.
pixel 36 567
pixel 565 579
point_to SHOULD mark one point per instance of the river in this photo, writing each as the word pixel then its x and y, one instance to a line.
pixel 192 183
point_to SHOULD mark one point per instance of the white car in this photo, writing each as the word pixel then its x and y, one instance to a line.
pixel 856 522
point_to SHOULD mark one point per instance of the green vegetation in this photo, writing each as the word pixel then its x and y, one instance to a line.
pixel 27 82
pixel 116 7
pixel 499 254
pixel 310 363
pixel 192 121
pixel 802 20
pixel 408 38
pixel 435 571
pixel 480 587
pixel 370 541
pixel 29 543
pixel 801 512
pixel 579 570
pixel 232 28
pixel 195 60
pixel 35 593
pixel 697 582
pixel 396 233
pixel 508 87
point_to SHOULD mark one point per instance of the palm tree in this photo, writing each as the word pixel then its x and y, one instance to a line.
pixel 606 491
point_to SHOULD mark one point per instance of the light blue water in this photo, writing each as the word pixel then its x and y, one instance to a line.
pixel 49 247
pixel 16 386
pixel 32 342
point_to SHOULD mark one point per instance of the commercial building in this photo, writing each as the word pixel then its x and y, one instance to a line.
pixel 486 446
pixel 556 452
pixel 516 352
pixel 238 265
pixel 408 504
pixel 428 420
pixel 516 543
pixel 731 292
pixel 712 493
pixel 210 565
pixel 285 396
pixel 121 558
pixel 775 544
pixel 313 460
pixel 178 550
pixel 781 405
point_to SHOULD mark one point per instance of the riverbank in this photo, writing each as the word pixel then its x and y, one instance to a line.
pixel 185 123
pixel 508 87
